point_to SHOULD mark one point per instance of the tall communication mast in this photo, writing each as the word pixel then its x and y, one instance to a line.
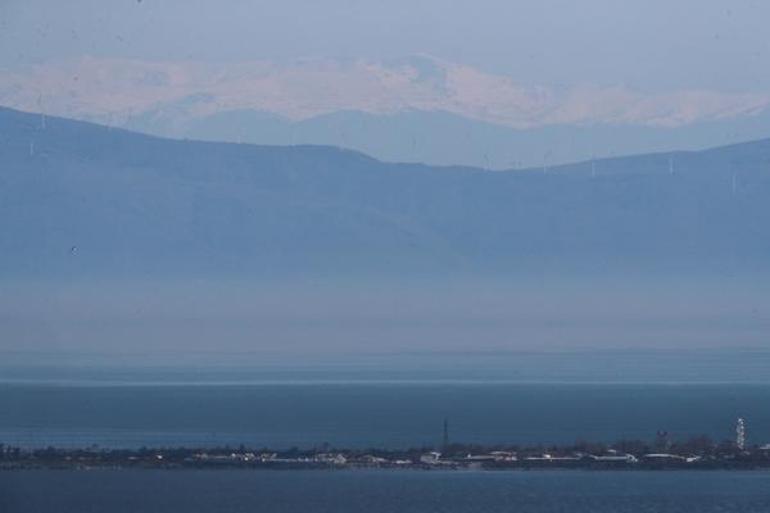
pixel 740 434
pixel 446 433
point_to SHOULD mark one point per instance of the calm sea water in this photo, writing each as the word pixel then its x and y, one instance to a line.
pixel 372 415
pixel 188 491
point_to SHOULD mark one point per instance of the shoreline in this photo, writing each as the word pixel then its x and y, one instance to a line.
pixel 626 456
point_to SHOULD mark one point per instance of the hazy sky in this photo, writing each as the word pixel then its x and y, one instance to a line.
pixel 651 44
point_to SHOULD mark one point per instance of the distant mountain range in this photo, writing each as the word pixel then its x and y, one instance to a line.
pixel 79 198
pixel 417 109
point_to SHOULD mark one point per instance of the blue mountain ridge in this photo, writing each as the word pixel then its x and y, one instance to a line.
pixel 82 198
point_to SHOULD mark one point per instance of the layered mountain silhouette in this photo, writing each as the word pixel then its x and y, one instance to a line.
pixel 82 198
pixel 443 138
pixel 415 109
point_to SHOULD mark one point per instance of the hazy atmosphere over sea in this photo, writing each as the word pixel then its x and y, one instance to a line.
pixel 116 243
pixel 315 246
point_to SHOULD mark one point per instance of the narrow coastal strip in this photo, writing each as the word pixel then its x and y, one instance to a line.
pixel 696 453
